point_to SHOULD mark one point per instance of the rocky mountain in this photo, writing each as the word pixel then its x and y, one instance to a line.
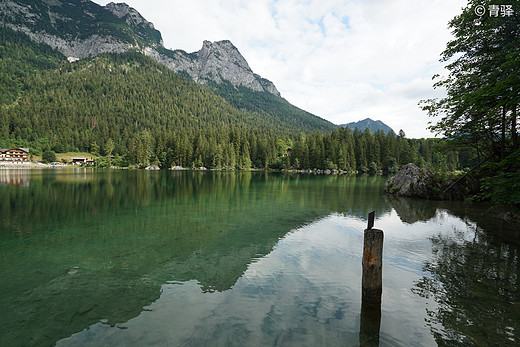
pixel 81 29
pixel 373 125
pixel 215 62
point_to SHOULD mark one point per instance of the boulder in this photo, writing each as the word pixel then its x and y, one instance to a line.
pixel 152 167
pixel 410 181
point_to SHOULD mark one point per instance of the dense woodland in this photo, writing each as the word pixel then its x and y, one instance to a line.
pixel 128 106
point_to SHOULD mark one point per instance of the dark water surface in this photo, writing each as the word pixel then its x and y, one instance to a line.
pixel 138 258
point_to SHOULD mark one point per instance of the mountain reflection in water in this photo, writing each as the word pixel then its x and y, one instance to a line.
pixel 234 258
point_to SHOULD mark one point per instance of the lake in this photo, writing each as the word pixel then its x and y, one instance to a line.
pixel 143 258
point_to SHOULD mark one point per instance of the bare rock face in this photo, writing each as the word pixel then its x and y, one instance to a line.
pixel 81 29
pixel 216 62
pixel 131 17
pixel 220 61
pixel 410 181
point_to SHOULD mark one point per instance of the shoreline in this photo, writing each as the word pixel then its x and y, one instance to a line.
pixel 504 214
pixel 24 165
pixel 33 165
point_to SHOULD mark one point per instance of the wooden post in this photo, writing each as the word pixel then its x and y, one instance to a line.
pixel 372 280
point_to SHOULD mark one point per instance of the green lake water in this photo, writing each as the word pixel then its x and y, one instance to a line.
pixel 139 258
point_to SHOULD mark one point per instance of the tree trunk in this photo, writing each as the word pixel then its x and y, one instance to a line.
pixel 514 134
pixel 503 140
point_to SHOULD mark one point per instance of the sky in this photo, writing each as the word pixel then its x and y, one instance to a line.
pixel 342 60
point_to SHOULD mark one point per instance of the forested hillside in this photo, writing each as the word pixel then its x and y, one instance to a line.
pixel 20 57
pixel 364 152
pixel 130 106
pixel 81 106
pixel 271 106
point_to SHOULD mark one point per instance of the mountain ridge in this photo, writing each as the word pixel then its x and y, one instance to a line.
pixel 373 125
pixel 82 28
pixel 215 62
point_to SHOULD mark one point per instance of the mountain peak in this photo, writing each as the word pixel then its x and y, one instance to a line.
pixel 119 10
pixel 81 29
pixel 373 125
pixel 131 16
pixel 222 59
pixel 216 62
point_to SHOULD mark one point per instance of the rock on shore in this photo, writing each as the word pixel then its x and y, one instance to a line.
pixel 410 181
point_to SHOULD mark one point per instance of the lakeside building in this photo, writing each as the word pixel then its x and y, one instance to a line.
pixel 81 161
pixel 78 161
pixel 14 154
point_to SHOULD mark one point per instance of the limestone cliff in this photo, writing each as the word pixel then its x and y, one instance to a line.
pixel 216 62
pixel 81 29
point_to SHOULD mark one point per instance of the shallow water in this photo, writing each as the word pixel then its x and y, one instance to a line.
pixel 222 258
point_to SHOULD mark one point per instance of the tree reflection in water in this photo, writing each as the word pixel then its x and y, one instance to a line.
pixel 474 281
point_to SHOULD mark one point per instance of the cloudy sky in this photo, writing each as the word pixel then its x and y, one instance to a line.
pixel 343 60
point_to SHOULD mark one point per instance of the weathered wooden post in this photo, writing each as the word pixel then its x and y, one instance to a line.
pixel 372 280
pixel 371 285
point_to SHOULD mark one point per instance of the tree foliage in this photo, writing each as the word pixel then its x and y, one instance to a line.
pixel 270 105
pixel 364 152
pixel 483 94
pixel 480 110
pixel 49 156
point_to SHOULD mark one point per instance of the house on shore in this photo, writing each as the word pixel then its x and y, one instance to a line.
pixel 14 155
pixel 81 161
pixel 78 161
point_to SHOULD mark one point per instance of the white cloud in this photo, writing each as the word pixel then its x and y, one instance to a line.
pixel 341 60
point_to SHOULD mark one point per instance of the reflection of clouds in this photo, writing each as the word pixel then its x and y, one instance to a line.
pixel 301 292
pixel 306 291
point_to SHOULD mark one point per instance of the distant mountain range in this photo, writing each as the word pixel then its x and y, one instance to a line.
pixel 373 125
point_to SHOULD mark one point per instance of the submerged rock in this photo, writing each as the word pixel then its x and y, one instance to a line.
pixel 410 181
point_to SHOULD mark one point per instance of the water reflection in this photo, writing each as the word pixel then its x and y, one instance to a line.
pixel 190 258
pixel 74 196
pixel 473 277
pixel 370 325
pixel 411 211
pixel 15 177
pixel 82 246
pixel 304 293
